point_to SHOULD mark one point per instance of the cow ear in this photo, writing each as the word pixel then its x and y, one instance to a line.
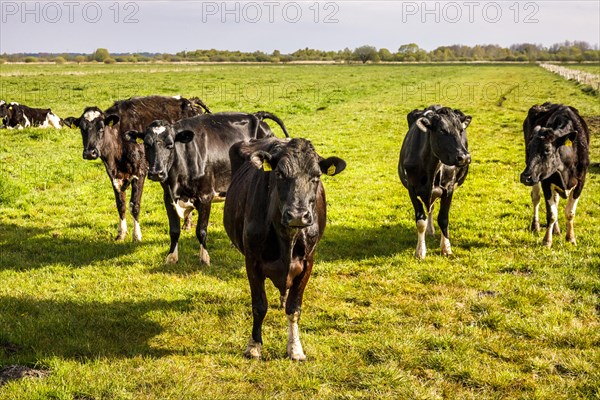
pixel 261 160
pixel 184 136
pixel 72 122
pixel 566 140
pixel 134 137
pixel 111 120
pixel 423 124
pixel 466 121
pixel 332 165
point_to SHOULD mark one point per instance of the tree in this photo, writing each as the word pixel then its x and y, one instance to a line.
pixel 366 53
pixel 101 55
pixel 385 55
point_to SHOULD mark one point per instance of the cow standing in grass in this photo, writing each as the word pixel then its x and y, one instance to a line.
pixel 102 133
pixel 191 161
pixel 434 161
pixel 275 214
pixel 557 144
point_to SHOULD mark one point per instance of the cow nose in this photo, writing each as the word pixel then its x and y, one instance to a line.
pixel 297 218
pixel 463 159
pixel 526 179
pixel 90 154
pixel 157 175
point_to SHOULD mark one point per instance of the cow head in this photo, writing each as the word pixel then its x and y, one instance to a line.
pixel 296 169
pixel 542 154
pixel 3 113
pixel 159 140
pixel 448 136
pixel 93 124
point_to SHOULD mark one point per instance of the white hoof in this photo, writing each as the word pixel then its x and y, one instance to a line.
pixel 421 252
pixel 172 258
pixel 445 245
pixel 295 351
pixel 253 350
pixel 204 257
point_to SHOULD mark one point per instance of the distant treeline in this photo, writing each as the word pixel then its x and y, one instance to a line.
pixel 524 52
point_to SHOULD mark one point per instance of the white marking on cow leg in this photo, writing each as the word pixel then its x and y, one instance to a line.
pixel 570 215
pixel 283 298
pixel 122 230
pixel 294 347
pixel 27 122
pixel 430 228
pixel 550 227
pixel 535 199
pixel 445 245
pixel 204 257
pixel 137 231
pixel 556 227
pixel 172 258
pixel 253 349
pixel 421 248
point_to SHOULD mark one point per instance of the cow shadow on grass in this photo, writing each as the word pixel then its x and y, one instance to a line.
pixel 594 168
pixel 31 329
pixel 24 248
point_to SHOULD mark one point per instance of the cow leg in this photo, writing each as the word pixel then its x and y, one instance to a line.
pixel 570 216
pixel 259 309
pixel 536 196
pixel 556 227
pixel 187 221
pixel 421 221
pixel 443 218
pixel 292 310
pixel 202 227
pixel 121 199
pixel 551 213
pixel 137 187
pixel 430 228
pixel 174 231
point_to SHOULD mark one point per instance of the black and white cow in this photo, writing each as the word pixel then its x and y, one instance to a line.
pixel 15 115
pixel 434 161
pixel 191 161
pixel 557 144
pixel 103 137
pixel 275 214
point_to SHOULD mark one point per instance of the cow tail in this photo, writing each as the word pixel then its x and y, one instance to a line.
pixel 261 115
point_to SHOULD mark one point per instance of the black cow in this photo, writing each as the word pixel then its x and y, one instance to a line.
pixel 557 144
pixel 275 214
pixel 191 161
pixel 15 115
pixel 103 137
pixel 434 160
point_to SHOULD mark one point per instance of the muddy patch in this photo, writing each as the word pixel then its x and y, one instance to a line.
pixel 15 372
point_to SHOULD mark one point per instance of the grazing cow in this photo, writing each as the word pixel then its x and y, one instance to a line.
pixel 191 161
pixel 102 133
pixel 275 214
pixel 557 144
pixel 15 115
pixel 434 161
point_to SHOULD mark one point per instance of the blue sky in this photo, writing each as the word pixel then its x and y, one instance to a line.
pixel 171 26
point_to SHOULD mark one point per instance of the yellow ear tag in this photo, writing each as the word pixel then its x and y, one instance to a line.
pixel 10 108
pixel 331 170
pixel 568 143
pixel 266 166
pixel 110 123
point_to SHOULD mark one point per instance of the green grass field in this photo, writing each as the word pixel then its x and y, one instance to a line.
pixel 504 318
pixel 591 68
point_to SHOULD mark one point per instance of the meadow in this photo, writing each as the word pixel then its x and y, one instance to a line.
pixel 503 318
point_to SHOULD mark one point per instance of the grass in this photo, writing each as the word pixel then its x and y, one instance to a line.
pixel 503 318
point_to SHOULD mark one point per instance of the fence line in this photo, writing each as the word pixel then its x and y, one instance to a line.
pixel 580 76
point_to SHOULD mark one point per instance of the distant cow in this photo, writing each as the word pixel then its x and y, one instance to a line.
pixel 191 161
pixel 557 144
pixel 102 133
pixel 15 115
pixel 434 160
pixel 275 214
